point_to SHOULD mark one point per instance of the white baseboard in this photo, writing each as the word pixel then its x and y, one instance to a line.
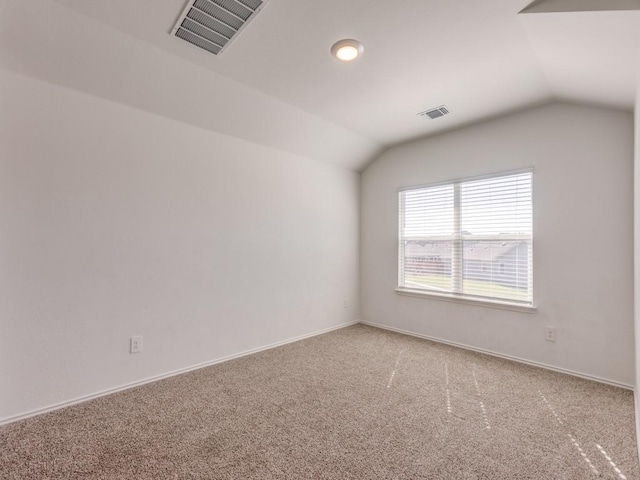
pixel 155 378
pixel 502 355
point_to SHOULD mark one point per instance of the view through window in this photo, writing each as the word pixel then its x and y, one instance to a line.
pixel 469 238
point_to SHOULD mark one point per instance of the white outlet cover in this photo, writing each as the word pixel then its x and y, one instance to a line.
pixel 136 344
pixel 550 334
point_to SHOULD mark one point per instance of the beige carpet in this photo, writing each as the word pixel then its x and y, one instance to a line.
pixel 358 403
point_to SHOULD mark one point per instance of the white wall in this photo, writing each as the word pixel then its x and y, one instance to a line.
pixel 636 226
pixel 583 237
pixel 118 222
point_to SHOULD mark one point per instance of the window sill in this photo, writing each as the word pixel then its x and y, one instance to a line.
pixel 450 297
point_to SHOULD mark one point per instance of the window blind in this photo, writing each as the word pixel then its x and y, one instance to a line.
pixel 469 237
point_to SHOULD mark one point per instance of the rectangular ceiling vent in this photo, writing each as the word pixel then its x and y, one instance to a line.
pixel 212 24
pixel 441 111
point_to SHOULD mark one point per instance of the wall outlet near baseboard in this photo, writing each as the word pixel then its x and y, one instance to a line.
pixel 550 334
pixel 136 344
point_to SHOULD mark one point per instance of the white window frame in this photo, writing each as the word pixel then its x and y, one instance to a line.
pixel 457 260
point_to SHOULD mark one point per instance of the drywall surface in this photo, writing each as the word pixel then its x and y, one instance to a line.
pixel 636 228
pixel 117 222
pixel 583 237
pixel 45 40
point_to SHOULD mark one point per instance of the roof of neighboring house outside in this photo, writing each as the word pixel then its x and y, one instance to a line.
pixel 484 251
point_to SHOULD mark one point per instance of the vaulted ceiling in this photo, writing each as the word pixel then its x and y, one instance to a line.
pixel 277 84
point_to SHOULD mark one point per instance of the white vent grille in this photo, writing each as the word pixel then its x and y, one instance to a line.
pixel 212 24
pixel 433 113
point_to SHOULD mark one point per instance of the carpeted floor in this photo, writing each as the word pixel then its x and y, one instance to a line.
pixel 357 403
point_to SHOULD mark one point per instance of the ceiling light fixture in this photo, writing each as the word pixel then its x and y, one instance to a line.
pixel 347 50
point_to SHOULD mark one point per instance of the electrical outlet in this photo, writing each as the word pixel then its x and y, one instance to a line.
pixel 346 303
pixel 136 344
pixel 550 334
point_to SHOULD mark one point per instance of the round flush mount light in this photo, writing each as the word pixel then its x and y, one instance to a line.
pixel 347 50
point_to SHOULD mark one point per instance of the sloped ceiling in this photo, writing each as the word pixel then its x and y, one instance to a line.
pixel 557 6
pixel 279 86
pixel 45 40
pixel 587 56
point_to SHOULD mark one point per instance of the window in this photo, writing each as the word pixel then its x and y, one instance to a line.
pixel 469 238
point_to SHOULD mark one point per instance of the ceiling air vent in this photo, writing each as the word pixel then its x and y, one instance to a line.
pixel 441 111
pixel 212 24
